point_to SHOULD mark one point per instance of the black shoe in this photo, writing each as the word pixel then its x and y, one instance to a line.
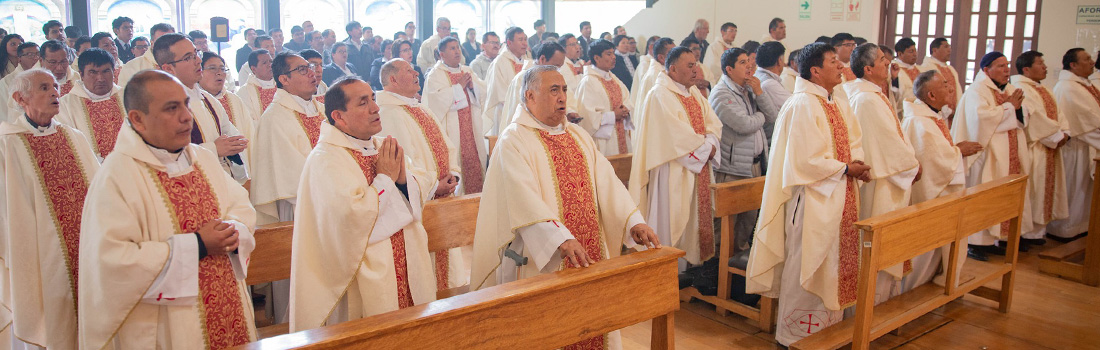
pixel 976 254
pixel 1066 239
pixel 990 249
pixel 706 278
pixel 1003 246
pixel 1033 241
pixel 686 279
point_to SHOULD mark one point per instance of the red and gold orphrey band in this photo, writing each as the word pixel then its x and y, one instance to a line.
pixel 65 184
pixel 443 165
pixel 65 88
pixel 224 100
pixel 577 205
pixel 193 203
pixel 848 267
pixel 912 72
pixel 397 241
pixel 615 96
pixel 311 126
pixel 702 181
pixel 266 96
pixel 472 176
pixel 1014 166
pixel 1051 108
pixel 105 119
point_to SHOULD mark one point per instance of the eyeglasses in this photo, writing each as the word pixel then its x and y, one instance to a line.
pixel 216 69
pixel 304 69
pixel 189 57
pixel 29 54
pixel 141 47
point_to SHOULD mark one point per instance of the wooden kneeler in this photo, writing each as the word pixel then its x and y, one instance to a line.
pixel 270 262
pixel 892 238
pixel 621 163
pixel 546 311
pixel 730 199
pixel 1078 260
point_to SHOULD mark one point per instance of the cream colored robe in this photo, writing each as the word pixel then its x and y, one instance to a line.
pixel 803 164
pixel 667 156
pixel 212 128
pixel 980 119
pixel 74 113
pixel 642 70
pixel 789 76
pixel 342 261
pixel 943 169
pixel 280 150
pixel 36 267
pixel 138 278
pixel 250 95
pixel 1082 116
pixel 9 106
pixel 501 72
pixel 1047 171
pixel 135 65
pixel 594 105
pixel 241 117
pixel 931 63
pixel 400 124
pixel 572 78
pixel 521 206
pixel 645 85
pixel 426 59
pixel 905 83
pixel 439 97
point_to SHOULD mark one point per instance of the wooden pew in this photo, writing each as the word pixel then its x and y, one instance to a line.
pixel 1078 260
pixel 449 223
pixel 730 199
pixel 546 311
pixel 891 238
pixel 621 163
pixel 492 143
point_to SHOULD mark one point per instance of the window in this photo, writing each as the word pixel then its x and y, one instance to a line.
pixel 464 14
pixel 385 17
pixel 974 27
pixel 604 15
pixel 325 14
pixel 26 17
pixel 145 14
pixel 514 13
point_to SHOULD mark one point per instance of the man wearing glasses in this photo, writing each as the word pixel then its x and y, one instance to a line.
pixel 212 127
pixel 845 43
pixel 56 59
pixel 28 57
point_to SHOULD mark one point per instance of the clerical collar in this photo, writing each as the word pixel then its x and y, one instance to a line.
pixel 265 84
pixel 451 69
pixel 554 130
pixel 602 73
pixel 175 163
pixel 680 88
pixel 40 129
pixel 193 92
pixel 307 106
pixel 902 64
pixel 92 96
pixel 403 99
pixel 365 146
pixel 998 85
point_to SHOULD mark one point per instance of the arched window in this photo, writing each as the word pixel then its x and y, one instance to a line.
pixel 241 14
pixel 514 13
pixel 325 14
pixel 384 16
pixel 145 14
pixel 26 17
pixel 464 14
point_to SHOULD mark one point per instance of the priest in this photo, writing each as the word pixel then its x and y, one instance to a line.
pixel 214 71
pixel 906 50
pixel 145 61
pixel 939 53
pixel 259 89
pixel 805 250
pixel 28 58
pixel 45 171
pixel 526 210
pixel 501 71
pixel 603 102
pixel 1045 138
pixel 572 69
pixel 1080 103
pixel 418 132
pixel 54 58
pixel 549 53
pixel 171 276
pixel 359 248
pixel 991 113
pixel 454 94
pixel 649 80
pixel 714 52
pixel 674 152
pixel 94 106
pixel 429 50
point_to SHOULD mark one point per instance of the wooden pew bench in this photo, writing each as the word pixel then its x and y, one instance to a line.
pixel 447 222
pixel 730 199
pixel 892 238
pixel 546 311
pixel 1078 260
pixel 621 163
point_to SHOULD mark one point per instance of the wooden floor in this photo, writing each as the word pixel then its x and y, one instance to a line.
pixel 1047 313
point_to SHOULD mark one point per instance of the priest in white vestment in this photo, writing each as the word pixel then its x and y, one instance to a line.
pixel 145 61
pixel 907 65
pixel 805 250
pixel 359 248
pixel 1046 134
pixel 259 89
pixel 572 69
pixel 454 94
pixel 264 43
pixel 1080 104
pixel 94 106
pixel 170 273
pixel 424 142
pixel 429 49
pixel 214 73
pixel 991 113
pixel 790 72
pixel 501 71
pixel 28 58
pixel 549 53
pixel 723 41
pixel 54 58
pixel 645 84
pixel 603 102
pixel 939 52
pixel 317 61
pixel 674 151
pixel 893 163
pixel 943 167
pixel 45 169
pixel 523 208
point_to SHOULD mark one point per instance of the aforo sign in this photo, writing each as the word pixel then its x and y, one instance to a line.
pixel 1089 14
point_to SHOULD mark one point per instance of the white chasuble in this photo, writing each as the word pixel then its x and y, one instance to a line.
pixel 907 75
pixel 549 184
pixel 459 111
pixel 140 63
pixel 142 283
pixel 284 136
pixel 99 118
pixel 212 121
pixel 948 72
pixel 419 134
pixel 505 67
pixel 1047 183
pixel 670 173
pixel 1079 101
pixel 257 95
pixel 980 118
pixel 359 248
pixel 45 175
pixel 644 85
pixel 598 94
pixel 238 114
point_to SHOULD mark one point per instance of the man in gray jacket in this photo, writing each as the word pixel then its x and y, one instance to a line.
pixel 744 142
pixel 769 65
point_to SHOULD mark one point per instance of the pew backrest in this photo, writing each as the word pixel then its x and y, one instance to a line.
pixel 621 164
pixel 270 261
pixel 450 222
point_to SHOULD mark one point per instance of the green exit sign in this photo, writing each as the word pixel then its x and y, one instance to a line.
pixel 804 10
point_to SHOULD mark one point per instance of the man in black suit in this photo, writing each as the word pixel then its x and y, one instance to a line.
pixel 242 53
pixel 360 54
pixel 340 67
pixel 585 39
pixel 625 60
pixel 699 33
pixel 124 32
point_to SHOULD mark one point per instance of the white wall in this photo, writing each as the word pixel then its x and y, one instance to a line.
pixel 675 19
pixel 1058 32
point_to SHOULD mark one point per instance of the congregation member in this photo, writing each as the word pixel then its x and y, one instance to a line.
pixel 939 54
pixel 94 107
pixel 805 246
pixel 769 70
pixel 501 72
pixel 714 53
pixel 699 33
pixel 526 210
pixel 260 89
pixel 376 66
pixel 429 49
pixel 777 31
pixel 339 68
pixel 9 57
pixel 490 48
pixel 584 37
pixel 381 263
pixel 626 62
pixel 454 94
pixel 603 102
pixel 247 48
pixel 123 27
pixel 146 59
pixel 261 42
pixel 1079 102
pixel 470 48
